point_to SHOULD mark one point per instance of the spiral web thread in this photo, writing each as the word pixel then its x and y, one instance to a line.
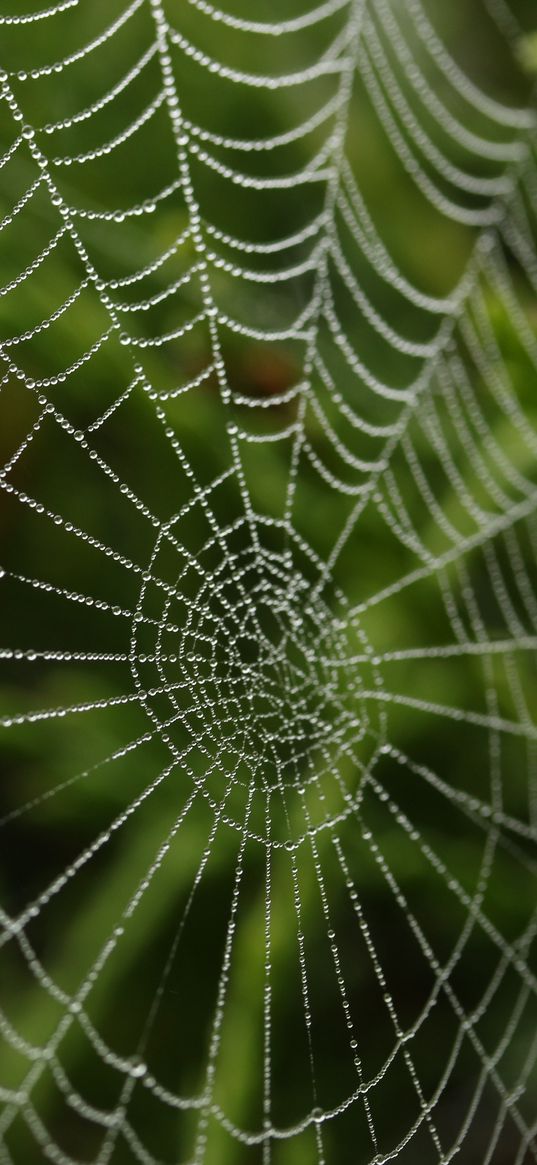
pixel 276 710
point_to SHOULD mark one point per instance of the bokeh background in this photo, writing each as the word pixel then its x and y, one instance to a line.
pixel 48 817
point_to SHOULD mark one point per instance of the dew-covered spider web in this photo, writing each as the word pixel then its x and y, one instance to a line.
pixel 268 509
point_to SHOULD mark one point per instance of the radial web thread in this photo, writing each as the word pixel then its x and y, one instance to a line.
pixel 268 577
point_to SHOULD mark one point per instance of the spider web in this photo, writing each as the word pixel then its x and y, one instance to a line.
pixel 269 498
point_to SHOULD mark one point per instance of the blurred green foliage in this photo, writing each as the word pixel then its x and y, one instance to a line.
pixel 41 843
